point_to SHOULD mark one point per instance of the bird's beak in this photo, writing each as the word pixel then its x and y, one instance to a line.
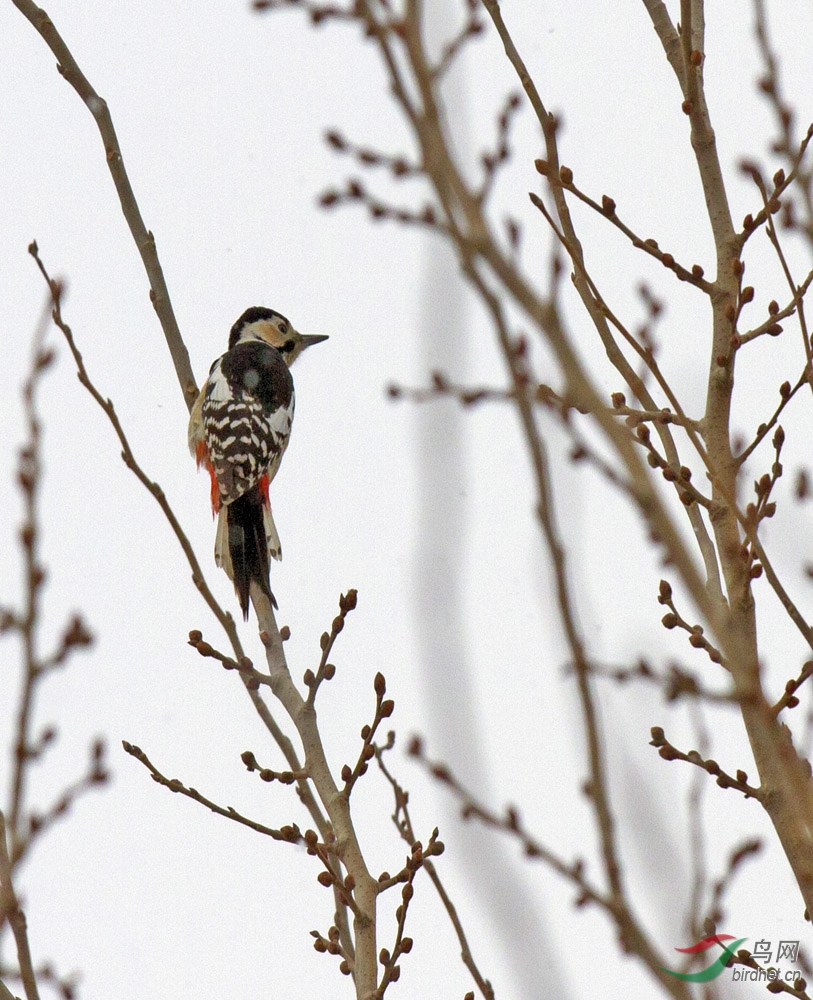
pixel 309 339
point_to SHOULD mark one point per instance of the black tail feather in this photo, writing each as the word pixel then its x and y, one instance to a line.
pixel 248 546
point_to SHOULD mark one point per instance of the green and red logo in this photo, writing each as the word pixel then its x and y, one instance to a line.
pixel 712 971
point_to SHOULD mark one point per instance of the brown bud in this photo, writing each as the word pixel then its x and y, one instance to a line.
pixel 380 684
pixel 697 271
pixel 687 107
pixel 607 205
pixel 695 57
pixel 566 175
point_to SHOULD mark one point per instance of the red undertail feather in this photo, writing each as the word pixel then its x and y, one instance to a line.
pixel 202 458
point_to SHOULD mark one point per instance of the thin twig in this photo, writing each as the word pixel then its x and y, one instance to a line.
pixel 288 834
pixel 144 240
pixel 403 822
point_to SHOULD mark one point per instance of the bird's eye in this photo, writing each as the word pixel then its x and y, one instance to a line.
pixel 283 328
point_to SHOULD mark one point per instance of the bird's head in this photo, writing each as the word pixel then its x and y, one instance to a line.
pixel 270 327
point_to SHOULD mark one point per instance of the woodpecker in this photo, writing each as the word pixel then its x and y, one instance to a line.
pixel 238 430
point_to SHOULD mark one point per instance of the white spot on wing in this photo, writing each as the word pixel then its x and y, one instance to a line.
pixel 219 391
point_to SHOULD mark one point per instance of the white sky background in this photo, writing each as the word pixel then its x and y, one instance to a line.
pixel 220 115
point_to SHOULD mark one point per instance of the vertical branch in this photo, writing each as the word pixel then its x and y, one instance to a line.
pixel 596 309
pixel 335 802
pixel 630 932
pixel 11 910
pixel 34 575
pixel 784 777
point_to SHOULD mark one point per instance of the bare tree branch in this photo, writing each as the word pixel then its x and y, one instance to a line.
pixel 144 240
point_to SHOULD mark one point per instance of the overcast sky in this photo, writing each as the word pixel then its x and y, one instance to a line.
pixel 427 511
